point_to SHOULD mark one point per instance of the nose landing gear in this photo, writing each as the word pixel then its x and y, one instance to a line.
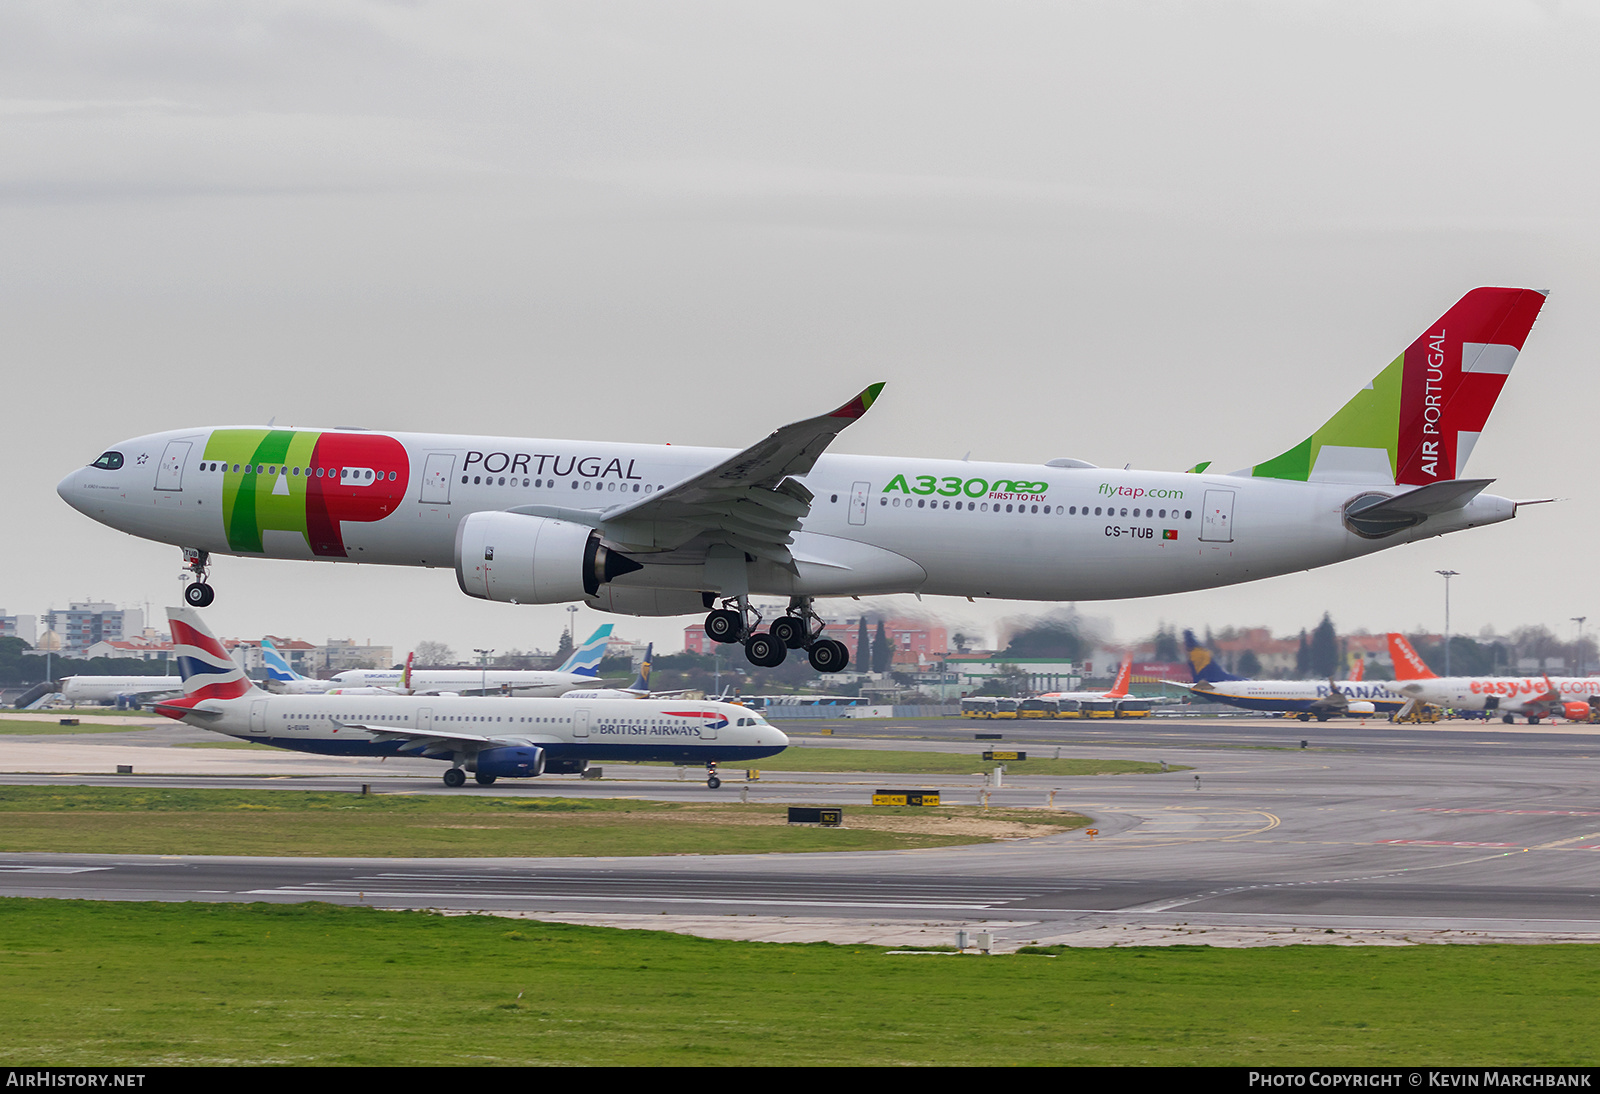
pixel 198 594
pixel 712 782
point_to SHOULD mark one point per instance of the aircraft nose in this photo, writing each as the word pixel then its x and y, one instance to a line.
pixel 68 489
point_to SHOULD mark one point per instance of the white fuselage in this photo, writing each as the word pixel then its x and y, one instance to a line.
pixel 524 682
pixel 691 732
pixel 1506 694
pixel 877 525
pixel 1365 696
pixel 108 689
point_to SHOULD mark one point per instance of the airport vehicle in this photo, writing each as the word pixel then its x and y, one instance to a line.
pixel 1115 703
pixel 673 529
pixel 578 671
pixel 1575 698
pixel 490 737
pixel 1306 699
pixel 118 690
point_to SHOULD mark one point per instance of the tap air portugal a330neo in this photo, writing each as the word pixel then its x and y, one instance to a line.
pixel 647 529
pixel 490 737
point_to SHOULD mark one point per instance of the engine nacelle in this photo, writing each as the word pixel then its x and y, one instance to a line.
pixel 633 600
pixel 510 761
pixel 1361 709
pixel 1574 711
pixel 520 559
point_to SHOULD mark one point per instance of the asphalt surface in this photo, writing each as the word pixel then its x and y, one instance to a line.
pixel 1483 829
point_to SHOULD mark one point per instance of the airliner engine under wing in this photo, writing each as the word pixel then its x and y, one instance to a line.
pixel 669 529
pixel 491 737
pixel 1319 699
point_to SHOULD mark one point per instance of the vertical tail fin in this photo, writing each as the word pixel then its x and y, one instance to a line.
pixel 1417 421
pixel 641 683
pixel 405 677
pixel 1360 671
pixel 1119 690
pixel 207 670
pixel 278 667
pixel 1202 666
pixel 585 660
pixel 1408 665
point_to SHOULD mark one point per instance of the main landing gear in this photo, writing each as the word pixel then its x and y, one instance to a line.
pixel 798 628
pixel 712 781
pixel 198 594
pixel 455 777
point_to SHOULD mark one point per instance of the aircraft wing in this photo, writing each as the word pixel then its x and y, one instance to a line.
pixel 749 501
pixel 430 742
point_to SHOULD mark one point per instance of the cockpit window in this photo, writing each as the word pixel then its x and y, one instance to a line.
pixel 108 461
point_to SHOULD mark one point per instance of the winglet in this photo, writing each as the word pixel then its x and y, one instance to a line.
pixel 860 404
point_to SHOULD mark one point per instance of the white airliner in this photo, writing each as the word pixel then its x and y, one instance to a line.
pixel 1532 697
pixel 577 672
pixel 490 737
pixel 1306 699
pixel 669 530
pixel 79 690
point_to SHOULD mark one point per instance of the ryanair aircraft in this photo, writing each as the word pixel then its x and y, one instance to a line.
pixel 669 530
pixel 1308 699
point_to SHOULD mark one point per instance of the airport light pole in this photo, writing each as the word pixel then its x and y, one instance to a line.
pixel 1447 575
pixel 1578 619
pixel 483 663
pixel 572 618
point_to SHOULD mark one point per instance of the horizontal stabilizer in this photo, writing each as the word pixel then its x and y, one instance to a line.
pixel 1374 516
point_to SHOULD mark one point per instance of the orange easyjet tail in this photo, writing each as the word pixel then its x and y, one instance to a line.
pixel 1407 665
pixel 1119 690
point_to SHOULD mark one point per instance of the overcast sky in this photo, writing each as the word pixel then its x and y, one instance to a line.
pixel 1127 232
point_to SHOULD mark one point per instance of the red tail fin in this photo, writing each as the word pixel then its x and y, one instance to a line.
pixel 1119 690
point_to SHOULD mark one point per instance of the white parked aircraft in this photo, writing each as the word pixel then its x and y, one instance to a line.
pixel 79 690
pixel 1307 699
pixel 669 529
pixel 1115 702
pixel 579 671
pixel 491 737
pixel 1532 697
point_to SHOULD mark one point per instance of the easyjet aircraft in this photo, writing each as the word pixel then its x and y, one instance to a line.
pixel 668 530
pixel 1533 697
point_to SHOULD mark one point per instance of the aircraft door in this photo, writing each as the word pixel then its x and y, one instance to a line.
pixel 858 502
pixel 580 724
pixel 425 719
pixel 169 476
pixel 1217 517
pixel 436 476
pixel 258 716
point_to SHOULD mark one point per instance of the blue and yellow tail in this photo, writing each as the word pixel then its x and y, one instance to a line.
pixel 1202 665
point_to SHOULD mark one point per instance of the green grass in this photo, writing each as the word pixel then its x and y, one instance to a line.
pixel 153 821
pixel 130 985
pixel 17 727
pixel 800 758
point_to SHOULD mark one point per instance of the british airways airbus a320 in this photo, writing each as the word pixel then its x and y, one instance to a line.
pixel 668 530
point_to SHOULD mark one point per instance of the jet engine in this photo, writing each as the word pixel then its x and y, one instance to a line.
pixel 1574 711
pixel 511 761
pixel 533 560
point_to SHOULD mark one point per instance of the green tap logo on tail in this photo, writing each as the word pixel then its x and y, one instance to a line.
pixel 1417 421
pixel 298 481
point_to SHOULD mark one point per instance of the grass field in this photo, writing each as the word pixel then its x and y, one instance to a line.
pixel 133 820
pixel 126 984
pixel 29 727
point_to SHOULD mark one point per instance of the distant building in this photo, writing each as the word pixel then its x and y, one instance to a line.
pixel 343 653
pixel 25 627
pixel 84 623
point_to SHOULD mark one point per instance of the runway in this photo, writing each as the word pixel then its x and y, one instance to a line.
pixel 1493 831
